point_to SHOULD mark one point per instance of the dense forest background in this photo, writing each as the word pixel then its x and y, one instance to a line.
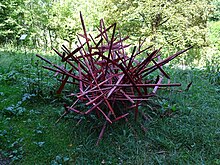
pixel 171 24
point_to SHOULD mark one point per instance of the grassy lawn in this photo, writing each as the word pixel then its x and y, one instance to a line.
pixel 29 110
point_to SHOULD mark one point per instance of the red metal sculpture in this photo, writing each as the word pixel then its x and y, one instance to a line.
pixel 106 75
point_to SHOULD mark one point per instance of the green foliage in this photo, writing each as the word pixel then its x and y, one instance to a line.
pixel 175 24
pixel 60 160
pixel 11 19
pixel 212 60
pixel 14 110
pixel 215 16
pixel 10 141
pixel 9 78
pixel 172 24
pixel 214 35
pixel 213 70
pixel 47 23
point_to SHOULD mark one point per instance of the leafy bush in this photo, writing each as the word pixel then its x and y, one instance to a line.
pixel 9 78
pixel 11 146
pixel 215 16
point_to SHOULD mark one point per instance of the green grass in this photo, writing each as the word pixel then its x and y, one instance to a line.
pixel 29 135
